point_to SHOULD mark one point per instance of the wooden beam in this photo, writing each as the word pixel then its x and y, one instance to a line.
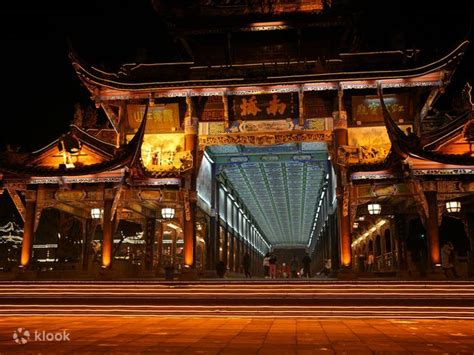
pixel 429 102
pixel 140 209
pixel 20 207
pixel 420 200
pixel 115 203
pixel 75 211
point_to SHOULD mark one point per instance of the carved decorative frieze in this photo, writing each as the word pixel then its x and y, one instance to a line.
pixel 345 201
pixel 70 195
pixel 347 155
pixel 340 119
pixel 384 190
pixel 372 176
pixel 265 139
pixel 461 171
pixel 270 125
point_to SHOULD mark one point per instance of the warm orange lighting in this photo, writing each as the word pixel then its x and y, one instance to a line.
pixel 268 24
pixel 106 255
pixel 26 248
pixel 107 228
pixel 189 242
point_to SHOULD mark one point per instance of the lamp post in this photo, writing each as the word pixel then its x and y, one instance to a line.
pixel 453 206
pixel 96 213
pixel 374 208
pixel 167 212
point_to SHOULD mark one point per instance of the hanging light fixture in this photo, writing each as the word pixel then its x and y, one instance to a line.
pixel 355 225
pixel 167 212
pixel 453 206
pixel 96 213
pixel 374 208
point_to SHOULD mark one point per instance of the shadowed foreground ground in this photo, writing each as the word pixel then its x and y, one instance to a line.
pixel 188 335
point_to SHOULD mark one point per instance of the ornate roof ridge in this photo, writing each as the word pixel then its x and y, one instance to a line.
pixel 93 77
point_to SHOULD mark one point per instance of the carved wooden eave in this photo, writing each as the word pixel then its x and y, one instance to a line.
pixel 453 138
pixel 404 146
pixel 125 158
pixel 423 167
pixel 128 84
pixel 92 151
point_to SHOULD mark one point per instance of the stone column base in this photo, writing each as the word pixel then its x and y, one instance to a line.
pixel 346 273
pixel 188 274
pixel 436 274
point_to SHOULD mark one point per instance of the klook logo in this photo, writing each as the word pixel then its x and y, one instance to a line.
pixel 22 336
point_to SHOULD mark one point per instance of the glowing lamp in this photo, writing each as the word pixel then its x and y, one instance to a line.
pixel 96 213
pixel 453 206
pixel 167 212
pixel 355 225
pixel 374 208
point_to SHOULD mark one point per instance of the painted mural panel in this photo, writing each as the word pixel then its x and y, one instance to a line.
pixel 161 118
pixel 213 109
pixel 267 106
pixel 372 143
pixel 165 152
pixel 367 109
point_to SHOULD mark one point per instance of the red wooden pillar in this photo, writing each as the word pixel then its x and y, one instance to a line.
pixel 342 192
pixel 432 227
pixel 28 229
pixel 108 231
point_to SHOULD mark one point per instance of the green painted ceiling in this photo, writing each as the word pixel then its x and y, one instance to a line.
pixel 279 185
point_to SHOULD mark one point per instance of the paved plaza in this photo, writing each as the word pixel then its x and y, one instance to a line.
pixel 191 335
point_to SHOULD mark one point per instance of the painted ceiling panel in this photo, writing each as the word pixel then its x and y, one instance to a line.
pixel 282 195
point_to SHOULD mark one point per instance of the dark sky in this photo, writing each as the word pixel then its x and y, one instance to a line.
pixel 40 88
pixel 39 84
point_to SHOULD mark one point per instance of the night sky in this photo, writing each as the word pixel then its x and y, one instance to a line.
pixel 40 88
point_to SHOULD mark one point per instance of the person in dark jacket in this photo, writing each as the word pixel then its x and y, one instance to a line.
pixel 246 265
pixel 306 265
pixel 220 269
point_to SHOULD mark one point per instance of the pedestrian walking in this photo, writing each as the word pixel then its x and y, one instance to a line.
pixel 266 265
pixel 306 265
pixel 246 265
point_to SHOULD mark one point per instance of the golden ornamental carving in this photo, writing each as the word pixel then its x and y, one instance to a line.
pixel 154 195
pixel 347 155
pixel 187 205
pixel 384 190
pixel 345 201
pixel 340 119
pixel 70 195
pixel 265 139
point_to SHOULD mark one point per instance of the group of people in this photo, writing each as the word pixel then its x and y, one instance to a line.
pixel 366 264
pixel 447 260
pixel 292 269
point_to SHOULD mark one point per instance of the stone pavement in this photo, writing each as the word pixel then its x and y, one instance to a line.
pixel 190 335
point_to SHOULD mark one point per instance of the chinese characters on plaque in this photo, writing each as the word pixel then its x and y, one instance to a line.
pixel 266 106
pixel 367 109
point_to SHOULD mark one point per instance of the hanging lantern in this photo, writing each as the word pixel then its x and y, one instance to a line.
pixel 453 206
pixel 355 225
pixel 167 212
pixel 374 208
pixel 96 213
